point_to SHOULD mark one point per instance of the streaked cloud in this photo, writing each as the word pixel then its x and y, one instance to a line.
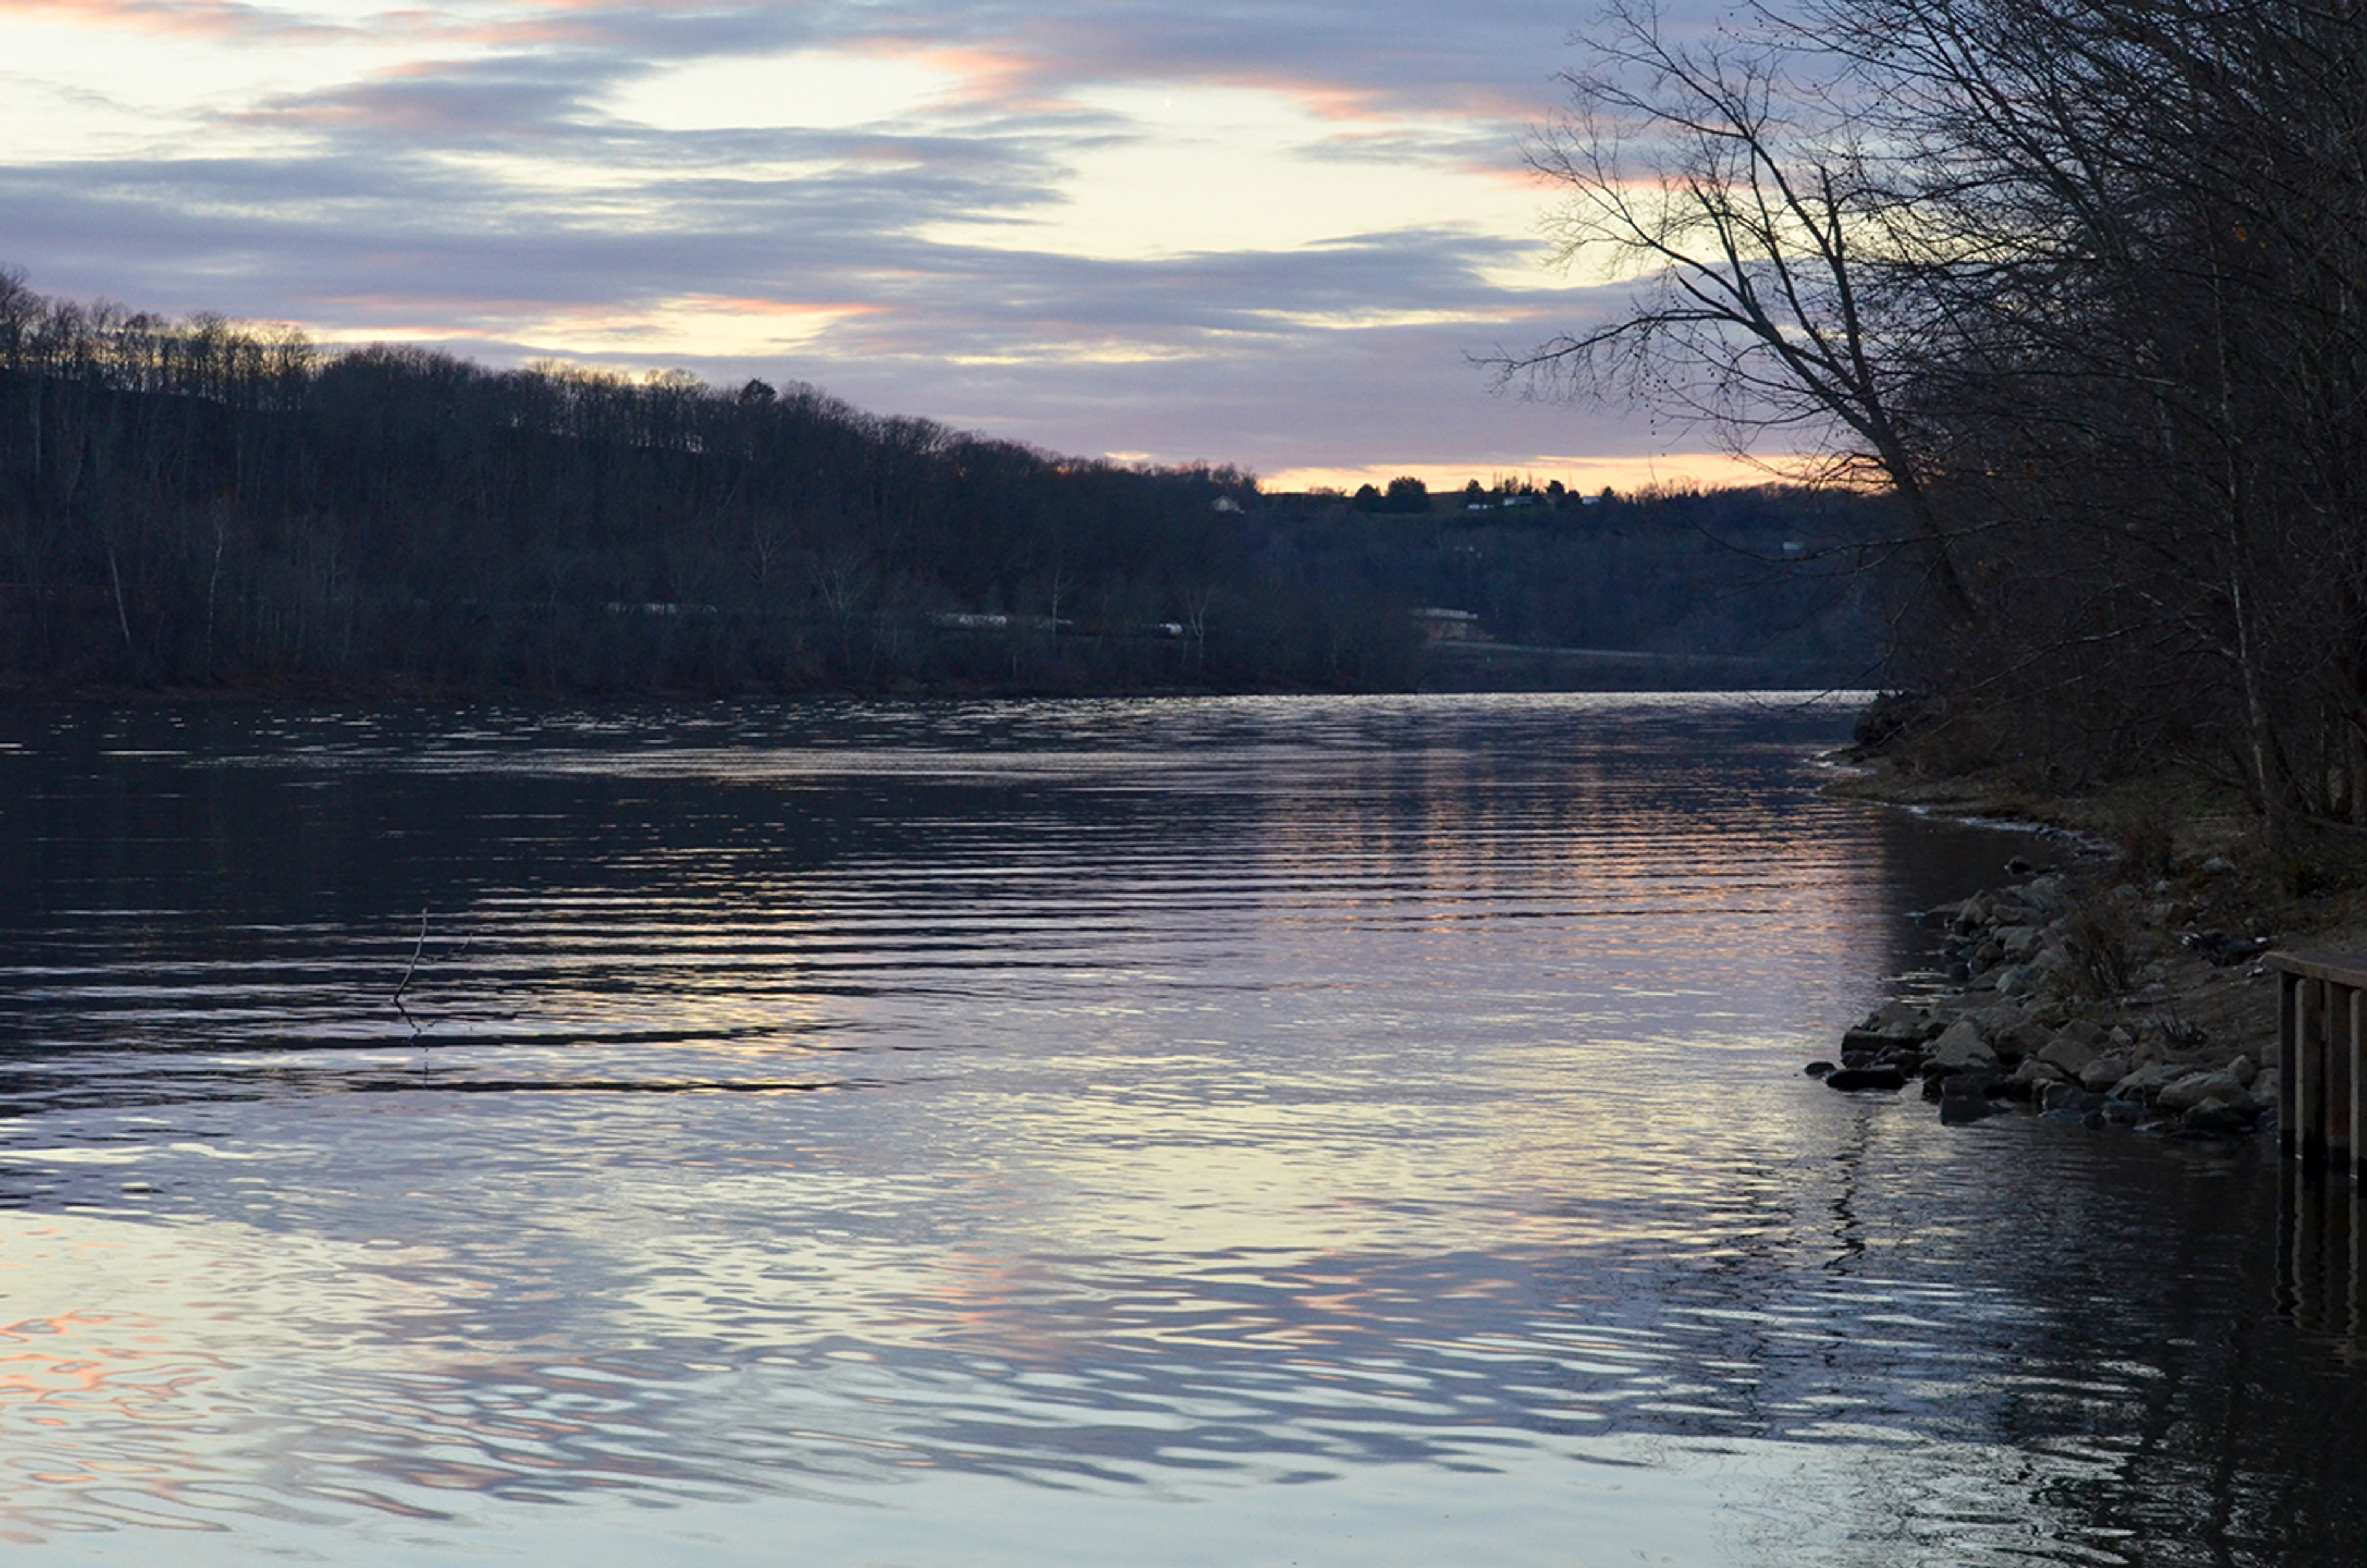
pixel 1269 233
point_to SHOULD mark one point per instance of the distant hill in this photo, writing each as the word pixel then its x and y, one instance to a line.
pixel 200 504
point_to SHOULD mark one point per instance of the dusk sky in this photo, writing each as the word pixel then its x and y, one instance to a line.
pixel 1268 235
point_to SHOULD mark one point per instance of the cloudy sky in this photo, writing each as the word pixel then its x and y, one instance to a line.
pixel 1267 232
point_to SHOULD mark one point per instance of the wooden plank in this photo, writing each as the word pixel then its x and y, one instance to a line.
pixel 2346 966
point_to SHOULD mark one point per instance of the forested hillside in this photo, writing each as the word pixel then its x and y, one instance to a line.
pixel 202 504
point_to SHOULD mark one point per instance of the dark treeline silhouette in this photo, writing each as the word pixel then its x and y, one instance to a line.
pixel 1760 573
pixel 2084 287
pixel 200 503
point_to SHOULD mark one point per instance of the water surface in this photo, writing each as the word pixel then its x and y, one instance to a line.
pixel 1226 1132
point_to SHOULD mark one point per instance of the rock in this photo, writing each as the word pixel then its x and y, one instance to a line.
pixel 2049 895
pixel 1961 1049
pixel 2104 1072
pixel 2070 1097
pixel 1819 1069
pixel 2121 1113
pixel 1955 1110
pixel 1890 1024
pixel 2023 1038
pixel 1997 1017
pixel 1898 1018
pixel 2020 979
pixel 2036 1073
pixel 1886 1078
pixel 2264 1086
pixel 2217 1116
pixel 2087 1031
pixel 2067 1051
pixel 2057 966
pixel 2183 1094
pixel 2223 951
pixel 2145 1085
pixel 2020 941
pixel 2242 1071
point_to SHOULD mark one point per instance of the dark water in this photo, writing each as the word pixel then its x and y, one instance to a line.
pixel 1235 1132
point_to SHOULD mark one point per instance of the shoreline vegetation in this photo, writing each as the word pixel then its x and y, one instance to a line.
pixel 2122 985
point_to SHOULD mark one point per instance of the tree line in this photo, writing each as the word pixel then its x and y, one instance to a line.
pixel 200 503
pixel 2083 287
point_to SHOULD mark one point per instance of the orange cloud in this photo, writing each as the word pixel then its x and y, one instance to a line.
pixel 183 19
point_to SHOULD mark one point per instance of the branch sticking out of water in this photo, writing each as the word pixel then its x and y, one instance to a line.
pixel 409 970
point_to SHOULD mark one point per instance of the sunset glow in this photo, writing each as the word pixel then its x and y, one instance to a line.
pixel 1277 241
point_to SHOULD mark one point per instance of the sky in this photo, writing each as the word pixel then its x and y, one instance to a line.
pixel 1277 235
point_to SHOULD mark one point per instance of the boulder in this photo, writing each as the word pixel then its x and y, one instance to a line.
pixel 2023 1038
pixel 2067 1050
pixel 2218 1117
pixel 2069 1096
pixel 2020 979
pixel 1819 1069
pixel 2035 1073
pixel 2144 1086
pixel 2049 895
pixel 2104 1072
pixel 2020 941
pixel 1962 1049
pixel 2183 1094
pixel 2087 1031
pixel 1998 1018
pixel 1898 1018
pixel 1955 1109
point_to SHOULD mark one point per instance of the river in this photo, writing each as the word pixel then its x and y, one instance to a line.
pixel 1225 1132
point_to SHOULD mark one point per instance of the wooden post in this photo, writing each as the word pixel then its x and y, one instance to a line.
pixel 2355 1324
pixel 2288 1061
pixel 2309 1072
pixel 2358 1107
pixel 2341 1043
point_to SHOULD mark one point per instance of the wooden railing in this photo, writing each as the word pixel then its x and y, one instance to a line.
pixel 2321 1029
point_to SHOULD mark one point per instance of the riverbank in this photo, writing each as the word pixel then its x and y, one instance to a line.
pixel 2122 985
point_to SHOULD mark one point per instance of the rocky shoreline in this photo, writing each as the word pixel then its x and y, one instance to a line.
pixel 2115 1005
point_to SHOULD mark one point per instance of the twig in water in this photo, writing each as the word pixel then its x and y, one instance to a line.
pixel 409 970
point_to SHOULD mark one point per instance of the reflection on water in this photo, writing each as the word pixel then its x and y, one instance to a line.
pixel 1192 1132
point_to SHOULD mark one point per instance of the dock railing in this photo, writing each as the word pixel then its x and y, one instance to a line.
pixel 2321 1028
